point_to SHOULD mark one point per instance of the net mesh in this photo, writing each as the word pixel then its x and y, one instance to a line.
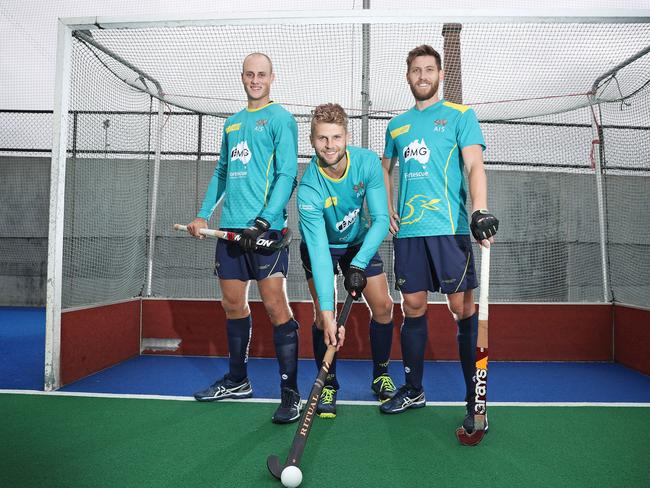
pixel 529 84
pixel 626 146
pixel 107 185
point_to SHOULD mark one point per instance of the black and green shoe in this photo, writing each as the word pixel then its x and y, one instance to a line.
pixel 383 387
pixel 326 407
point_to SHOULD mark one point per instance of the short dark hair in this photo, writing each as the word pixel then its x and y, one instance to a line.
pixel 423 50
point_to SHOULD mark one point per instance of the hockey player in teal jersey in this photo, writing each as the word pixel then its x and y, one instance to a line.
pixel 434 142
pixel 255 176
pixel 334 225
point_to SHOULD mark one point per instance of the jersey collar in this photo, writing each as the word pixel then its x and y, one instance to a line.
pixel 260 108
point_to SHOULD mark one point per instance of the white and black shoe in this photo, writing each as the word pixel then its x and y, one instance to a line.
pixel 289 409
pixel 404 398
pixel 225 388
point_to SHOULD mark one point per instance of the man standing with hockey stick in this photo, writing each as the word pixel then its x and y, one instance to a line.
pixel 255 176
pixel 336 233
pixel 434 142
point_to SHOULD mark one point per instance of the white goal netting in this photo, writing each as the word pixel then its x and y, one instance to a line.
pixel 562 238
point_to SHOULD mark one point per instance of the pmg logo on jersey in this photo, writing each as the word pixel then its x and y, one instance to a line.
pixel 241 152
pixel 348 220
pixel 417 150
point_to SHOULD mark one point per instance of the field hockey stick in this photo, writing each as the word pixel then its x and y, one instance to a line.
pixel 307 417
pixel 261 243
pixel 480 387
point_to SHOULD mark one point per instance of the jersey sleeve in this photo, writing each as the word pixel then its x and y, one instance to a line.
pixel 285 140
pixel 217 184
pixel 390 151
pixel 378 207
pixel 312 228
pixel 469 131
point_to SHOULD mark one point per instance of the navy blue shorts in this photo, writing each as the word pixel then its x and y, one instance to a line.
pixel 342 256
pixel 434 263
pixel 233 263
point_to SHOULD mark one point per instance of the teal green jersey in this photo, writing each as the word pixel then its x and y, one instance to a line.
pixel 331 214
pixel 257 168
pixel 432 190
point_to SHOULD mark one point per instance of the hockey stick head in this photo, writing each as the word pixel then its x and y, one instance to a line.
pixel 275 468
pixel 467 439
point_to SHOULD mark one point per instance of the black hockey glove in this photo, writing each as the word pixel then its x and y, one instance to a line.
pixel 484 225
pixel 355 281
pixel 249 236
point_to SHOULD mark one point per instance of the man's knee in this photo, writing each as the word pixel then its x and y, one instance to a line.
pixel 461 306
pixel 383 311
pixel 235 306
pixel 277 309
pixel 415 305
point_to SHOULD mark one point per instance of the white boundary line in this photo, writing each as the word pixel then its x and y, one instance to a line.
pixel 339 402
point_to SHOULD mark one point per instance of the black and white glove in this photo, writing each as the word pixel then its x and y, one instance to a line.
pixel 249 236
pixel 355 281
pixel 484 225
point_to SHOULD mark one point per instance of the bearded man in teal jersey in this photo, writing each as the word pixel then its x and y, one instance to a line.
pixel 435 142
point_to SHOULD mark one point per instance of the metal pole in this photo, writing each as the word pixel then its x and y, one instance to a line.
pixel 599 164
pixel 154 195
pixel 365 78
pixel 52 378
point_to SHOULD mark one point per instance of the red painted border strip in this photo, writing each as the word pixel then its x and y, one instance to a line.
pixel 518 332
pixel 95 338
pixel 632 338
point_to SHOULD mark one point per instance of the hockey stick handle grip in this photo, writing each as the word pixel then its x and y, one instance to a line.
pixel 220 234
pixel 307 418
pixel 484 284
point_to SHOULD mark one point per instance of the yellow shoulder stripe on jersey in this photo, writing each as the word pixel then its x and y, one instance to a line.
pixel 233 127
pixel 331 201
pixel 456 106
pixel 400 130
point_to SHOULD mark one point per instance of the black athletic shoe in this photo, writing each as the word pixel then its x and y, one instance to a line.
pixel 468 421
pixel 405 397
pixel 289 409
pixel 326 406
pixel 225 388
pixel 383 387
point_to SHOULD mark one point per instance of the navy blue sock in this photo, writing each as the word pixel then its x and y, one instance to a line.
pixel 318 342
pixel 414 340
pixel 285 338
pixel 239 339
pixel 467 334
pixel 381 340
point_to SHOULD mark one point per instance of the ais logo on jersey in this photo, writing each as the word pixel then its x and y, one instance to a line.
pixel 241 152
pixel 359 189
pixel 348 220
pixel 417 150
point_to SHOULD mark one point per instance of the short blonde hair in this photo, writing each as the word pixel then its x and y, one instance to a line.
pixel 329 113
